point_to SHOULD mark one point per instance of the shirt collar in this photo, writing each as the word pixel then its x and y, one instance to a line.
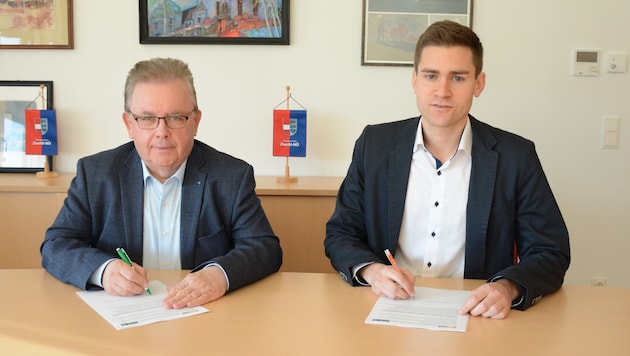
pixel 465 142
pixel 179 173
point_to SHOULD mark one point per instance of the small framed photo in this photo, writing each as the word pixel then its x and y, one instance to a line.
pixel 15 98
pixel 391 28
pixel 36 24
pixel 214 22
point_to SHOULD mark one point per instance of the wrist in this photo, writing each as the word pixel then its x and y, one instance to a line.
pixel 514 291
pixel 367 273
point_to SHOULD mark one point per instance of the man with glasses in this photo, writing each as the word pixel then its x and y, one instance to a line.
pixel 170 201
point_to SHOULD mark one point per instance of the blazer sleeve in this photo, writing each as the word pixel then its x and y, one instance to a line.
pixel 348 241
pixel 539 230
pixel 68 251
pixel 250 250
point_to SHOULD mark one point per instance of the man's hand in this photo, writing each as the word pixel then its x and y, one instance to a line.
pixel 387 281
pixel 196 289
pixel 492 300
pixel 121 279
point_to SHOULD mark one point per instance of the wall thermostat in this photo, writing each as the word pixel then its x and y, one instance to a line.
pixel 586 62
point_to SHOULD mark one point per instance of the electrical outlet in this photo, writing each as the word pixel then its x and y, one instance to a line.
pixel 599 281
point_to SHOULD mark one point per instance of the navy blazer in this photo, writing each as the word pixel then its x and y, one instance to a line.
pixel 509 203
pixel 222 220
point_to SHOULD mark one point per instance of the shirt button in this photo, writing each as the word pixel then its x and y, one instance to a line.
pixel 429 264
pixel 439 173
pixel 433 234
pixel 436 204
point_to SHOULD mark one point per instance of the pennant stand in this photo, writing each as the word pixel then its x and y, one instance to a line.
pixel 47 173
pixel 293 143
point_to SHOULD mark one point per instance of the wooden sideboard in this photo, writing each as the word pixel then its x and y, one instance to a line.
pixel 298 213
pixel 28 206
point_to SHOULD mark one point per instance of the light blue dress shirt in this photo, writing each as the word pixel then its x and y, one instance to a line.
pixel 161 223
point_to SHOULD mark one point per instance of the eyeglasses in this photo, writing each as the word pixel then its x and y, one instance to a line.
pixel 172 121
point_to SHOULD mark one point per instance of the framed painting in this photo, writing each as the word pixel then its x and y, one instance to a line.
pixel 391 27
pixel 214 22
pixel 36 24
pixel 15 98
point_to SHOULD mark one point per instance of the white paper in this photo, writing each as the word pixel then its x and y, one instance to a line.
pixel 434 309
pixel 129 312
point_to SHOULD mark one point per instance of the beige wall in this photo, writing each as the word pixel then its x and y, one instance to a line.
pixel 530 91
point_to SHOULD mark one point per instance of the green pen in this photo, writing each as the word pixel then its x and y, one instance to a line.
pixel 123 256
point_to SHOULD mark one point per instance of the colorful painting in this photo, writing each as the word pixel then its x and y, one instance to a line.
pixel 214 21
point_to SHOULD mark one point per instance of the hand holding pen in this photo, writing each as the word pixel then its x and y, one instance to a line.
pixel 123 256
pixel 391 259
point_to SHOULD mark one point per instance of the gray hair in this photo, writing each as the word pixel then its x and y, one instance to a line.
pixel 158 70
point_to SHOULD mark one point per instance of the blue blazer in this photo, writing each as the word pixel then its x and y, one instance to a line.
pixel 509 202
pixel 222 220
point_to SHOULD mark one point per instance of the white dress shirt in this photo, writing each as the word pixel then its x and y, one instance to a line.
pixel 432 241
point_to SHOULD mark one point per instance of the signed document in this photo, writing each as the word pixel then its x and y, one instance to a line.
pixel 128 312
pixel 434 309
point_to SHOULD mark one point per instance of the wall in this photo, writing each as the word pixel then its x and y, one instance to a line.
pixel 530 91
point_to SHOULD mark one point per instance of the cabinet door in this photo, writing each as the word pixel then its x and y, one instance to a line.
pixel 300 223
pixel 24 218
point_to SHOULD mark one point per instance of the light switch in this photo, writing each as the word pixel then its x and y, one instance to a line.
pixel 610 131
pixel 616 63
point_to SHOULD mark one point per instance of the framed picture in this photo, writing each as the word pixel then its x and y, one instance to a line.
pixel 391 27
pixel 214 22
pixel 15 98
pixel 36 24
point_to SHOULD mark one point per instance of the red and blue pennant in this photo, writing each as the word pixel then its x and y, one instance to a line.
pixel 289 133
pixel 41 132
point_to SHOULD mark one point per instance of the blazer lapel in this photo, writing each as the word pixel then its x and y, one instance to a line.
pixel 480 194
pixel 193 189
pixel 398 178
pixel 132 199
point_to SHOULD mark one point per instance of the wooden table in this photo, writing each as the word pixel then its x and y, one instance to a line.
pixel 305 314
